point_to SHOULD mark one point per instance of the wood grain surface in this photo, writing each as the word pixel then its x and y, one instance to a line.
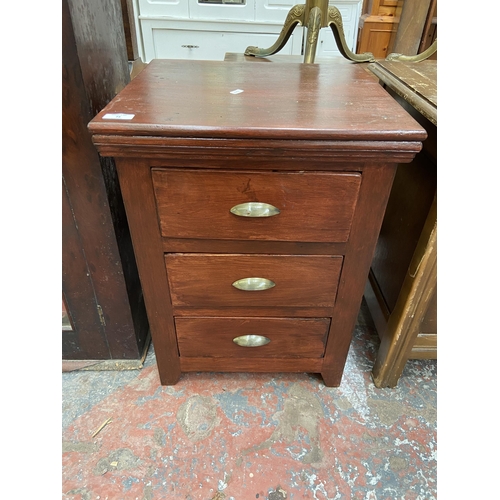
pixel 177 98
pixel 315 207
pixel 205 280
pixel 289 337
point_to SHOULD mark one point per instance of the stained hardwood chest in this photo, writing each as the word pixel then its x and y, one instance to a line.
pixel 255 194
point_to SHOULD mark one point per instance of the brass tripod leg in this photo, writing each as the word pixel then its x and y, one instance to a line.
pixel 320 15
pixel 417 58
pixel 294 17
pixel 313 27
pixel 335 23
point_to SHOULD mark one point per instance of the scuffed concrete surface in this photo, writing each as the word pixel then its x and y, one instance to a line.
pixel 246 436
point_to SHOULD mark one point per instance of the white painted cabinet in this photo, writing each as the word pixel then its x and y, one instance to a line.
pixel 204 29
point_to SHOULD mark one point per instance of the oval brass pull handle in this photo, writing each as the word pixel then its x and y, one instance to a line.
pixel 253 284
pixel 251 340
pixel 254 209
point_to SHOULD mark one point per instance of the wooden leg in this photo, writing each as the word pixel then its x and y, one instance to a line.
pixel 138 196
pixel 372 200
pixel 403 325
pixel 294 17
pixel 331 380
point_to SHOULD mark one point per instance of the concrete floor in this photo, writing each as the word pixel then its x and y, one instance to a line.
pixel 251 436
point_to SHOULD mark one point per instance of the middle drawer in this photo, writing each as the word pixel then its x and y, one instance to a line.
pixel 232 280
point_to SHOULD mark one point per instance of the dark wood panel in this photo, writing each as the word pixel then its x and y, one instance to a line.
pixel 263 311
pixel 411 26
pixel 373 196
pixel 102 51
pixel 331 102
pixel 256 154
pixel 254 365
pixel 198 280
pixel 289 338
pixel 137 189
pixel 87 339
pixel 315 207
pixel 414 82
pixel 129 29
pixel 93 194
pixel 409 203
pixel 186 245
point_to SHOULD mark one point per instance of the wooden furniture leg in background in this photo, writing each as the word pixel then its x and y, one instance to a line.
pixel 403 325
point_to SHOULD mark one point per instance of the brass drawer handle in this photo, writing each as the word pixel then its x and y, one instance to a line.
pixel 253 284
pixel 251 340
pixel 254 209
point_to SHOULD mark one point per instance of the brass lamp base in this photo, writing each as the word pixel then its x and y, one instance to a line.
pixel 314 14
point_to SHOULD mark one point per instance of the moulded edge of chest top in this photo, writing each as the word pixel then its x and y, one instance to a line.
pixel 255 151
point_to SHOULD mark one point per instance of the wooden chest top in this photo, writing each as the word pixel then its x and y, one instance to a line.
pixel 217 99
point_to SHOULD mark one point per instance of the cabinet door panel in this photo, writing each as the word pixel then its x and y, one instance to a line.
pixel 222 11
pixel 171 8
pixel 163 41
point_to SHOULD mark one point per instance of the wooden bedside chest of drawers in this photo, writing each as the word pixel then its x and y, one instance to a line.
pixel 254 194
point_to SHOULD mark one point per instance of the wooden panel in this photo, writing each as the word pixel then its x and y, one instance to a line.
pixel 136 185
pixel 375 38
pixel 327 105
pixel 290 338
pixel 316 207
pixel 429 321
pixel 104 294
pixel 262 311
pixel 206 280
pixel 252 365
pixel 415 84
pixel 424 347
pixel 87 338
pixel 411 26
pixel 129 28
pixel 409 203
pixel 241 246
pixel 373 196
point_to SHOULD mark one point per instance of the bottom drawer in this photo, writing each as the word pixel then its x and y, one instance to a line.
pixel 288 337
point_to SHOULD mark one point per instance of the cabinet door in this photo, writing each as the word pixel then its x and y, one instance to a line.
pixel 350 12
pixel 221 10
pixel 170 8
pixel 273 10
pixel 208 41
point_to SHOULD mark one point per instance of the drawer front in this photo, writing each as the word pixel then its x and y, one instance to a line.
pixel 206 280
pixel 288 338
pixel 313 206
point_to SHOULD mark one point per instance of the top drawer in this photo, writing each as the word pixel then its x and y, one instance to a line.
pixel 313 206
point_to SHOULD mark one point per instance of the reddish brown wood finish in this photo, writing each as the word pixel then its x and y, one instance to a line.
pixel 333 102
pixel 324 137
pixel 373 196
pixel 316 207
pixel 137 189
pixel 200 280
pixel 289 338
pixel 257 365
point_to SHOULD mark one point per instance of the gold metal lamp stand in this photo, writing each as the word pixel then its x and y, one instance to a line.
pixel 314 14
